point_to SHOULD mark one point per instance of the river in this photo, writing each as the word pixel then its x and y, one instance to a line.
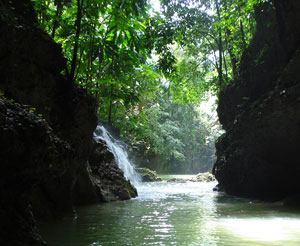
pixel 181 214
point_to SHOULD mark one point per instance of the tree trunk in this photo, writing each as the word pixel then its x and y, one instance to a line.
pixel 110 104
pixel 57 16
pixel 229 46
pixel 225 66
pixel 232 56
pixel 242 30
pixel 220 48
pixel 243 35
pixel 78 27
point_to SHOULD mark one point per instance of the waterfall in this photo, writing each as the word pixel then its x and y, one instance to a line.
pixel 119 153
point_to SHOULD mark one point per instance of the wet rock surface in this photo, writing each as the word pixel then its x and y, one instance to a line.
pixel 104 178
pixel 258 154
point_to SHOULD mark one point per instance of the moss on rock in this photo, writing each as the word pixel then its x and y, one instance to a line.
pixel 148 175
pixel 205 177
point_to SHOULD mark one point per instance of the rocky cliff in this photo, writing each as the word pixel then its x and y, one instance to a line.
pixel 258 154
pixel 49 161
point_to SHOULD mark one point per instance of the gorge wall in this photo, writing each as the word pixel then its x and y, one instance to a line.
pixel 48 159
pixel 258 156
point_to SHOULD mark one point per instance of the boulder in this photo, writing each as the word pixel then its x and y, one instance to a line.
pixel 205 177
pixel 101 180
pixel 148 175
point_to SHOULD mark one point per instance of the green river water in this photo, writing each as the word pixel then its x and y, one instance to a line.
pixel 181 214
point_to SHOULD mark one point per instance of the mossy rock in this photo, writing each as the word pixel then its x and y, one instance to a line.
pixel 148 175
pixel 205 177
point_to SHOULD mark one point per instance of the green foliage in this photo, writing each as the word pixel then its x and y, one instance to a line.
pixel 215 33
pixel 149 72
pixel 104 42
pixel 198 45
pixel 180 134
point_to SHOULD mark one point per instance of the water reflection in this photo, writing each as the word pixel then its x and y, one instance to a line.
pixel 261 229
pixel 178 214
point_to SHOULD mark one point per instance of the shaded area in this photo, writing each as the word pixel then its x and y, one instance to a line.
pixel 46 131
pixel 258 154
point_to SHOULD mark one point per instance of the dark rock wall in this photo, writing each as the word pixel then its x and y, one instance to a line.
pixel 30 68
pixel 260 111
pixel 30 153
pixel 46 133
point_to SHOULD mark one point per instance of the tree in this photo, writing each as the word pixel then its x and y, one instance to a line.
pixel 220 29
pixel 104 42
pixel 150 72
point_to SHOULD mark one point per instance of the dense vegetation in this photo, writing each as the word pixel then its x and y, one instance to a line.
pixel 150 70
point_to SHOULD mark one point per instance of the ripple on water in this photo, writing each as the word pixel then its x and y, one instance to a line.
pixel 182 214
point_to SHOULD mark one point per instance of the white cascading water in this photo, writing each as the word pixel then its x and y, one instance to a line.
pixel 119 153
